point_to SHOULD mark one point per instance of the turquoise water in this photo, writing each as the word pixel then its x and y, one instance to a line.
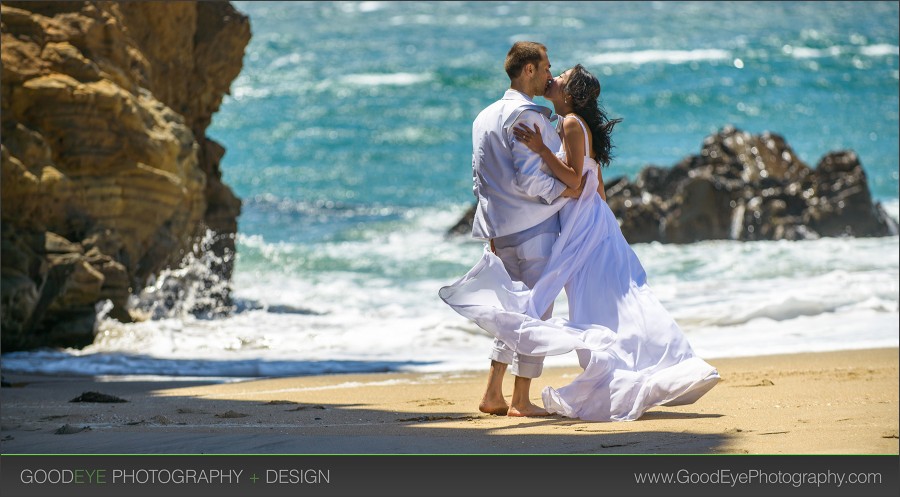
pixel 348 137
pixel 349 113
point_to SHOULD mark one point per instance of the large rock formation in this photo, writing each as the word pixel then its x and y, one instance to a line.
pixel 744 187
pixel 107 174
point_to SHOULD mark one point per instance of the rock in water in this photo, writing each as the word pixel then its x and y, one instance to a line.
pixel 743 187
pixel 108 177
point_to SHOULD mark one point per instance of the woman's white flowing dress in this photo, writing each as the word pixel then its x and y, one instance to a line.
pixel 633 352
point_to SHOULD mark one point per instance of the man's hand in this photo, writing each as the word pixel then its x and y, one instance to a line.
pixel 574 193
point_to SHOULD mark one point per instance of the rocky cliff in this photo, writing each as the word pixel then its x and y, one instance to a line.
pixel 744 187
pixel 107 174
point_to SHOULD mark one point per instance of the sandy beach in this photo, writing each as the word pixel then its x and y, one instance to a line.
pixel 842 402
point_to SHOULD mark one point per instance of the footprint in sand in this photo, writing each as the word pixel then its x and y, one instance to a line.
pixel 68 429
pixel 438 418
pixel 232 414
pixel 434 402
pixel 305 407
pixel 159 419
pixel 56 416
pixel 733 431
pixel 765 382
pixel 184 410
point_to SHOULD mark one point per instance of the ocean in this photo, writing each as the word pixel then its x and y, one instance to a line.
pixel 348 137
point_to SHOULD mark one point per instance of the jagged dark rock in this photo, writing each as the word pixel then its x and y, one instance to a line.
pixel 744 187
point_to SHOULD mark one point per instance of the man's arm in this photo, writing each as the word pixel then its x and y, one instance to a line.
pixel 529 176
pixel 474 179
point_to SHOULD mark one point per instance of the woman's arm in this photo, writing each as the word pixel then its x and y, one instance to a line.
pixel 574 192
pixel 573 141
pixel 534 141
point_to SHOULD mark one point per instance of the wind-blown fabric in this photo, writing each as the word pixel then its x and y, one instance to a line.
pixel 633 352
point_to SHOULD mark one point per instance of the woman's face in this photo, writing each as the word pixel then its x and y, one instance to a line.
pixel 555 92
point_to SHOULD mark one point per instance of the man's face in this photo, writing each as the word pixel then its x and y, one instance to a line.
pixel 542 75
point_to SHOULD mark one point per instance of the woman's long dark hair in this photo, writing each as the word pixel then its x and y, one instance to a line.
pixel 584 90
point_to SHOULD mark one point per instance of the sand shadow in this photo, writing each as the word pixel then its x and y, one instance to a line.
pixel 676 415
pixel 152 422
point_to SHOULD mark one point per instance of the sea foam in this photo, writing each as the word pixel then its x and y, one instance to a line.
pixel 666 56
pixel 395 79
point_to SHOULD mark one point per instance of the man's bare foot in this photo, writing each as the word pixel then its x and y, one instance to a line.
pixel 497 408
pixel 527 411
pixel 493 402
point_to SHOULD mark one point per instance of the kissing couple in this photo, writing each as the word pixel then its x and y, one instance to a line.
pixel 543 216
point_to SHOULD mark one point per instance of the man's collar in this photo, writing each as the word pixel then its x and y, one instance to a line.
pixel 517 95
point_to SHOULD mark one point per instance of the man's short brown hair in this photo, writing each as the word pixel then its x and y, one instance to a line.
pixel 521 54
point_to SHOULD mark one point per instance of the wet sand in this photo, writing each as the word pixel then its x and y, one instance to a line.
pixel 813 403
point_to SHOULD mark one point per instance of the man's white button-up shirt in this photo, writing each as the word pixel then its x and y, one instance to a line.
pixel 514 191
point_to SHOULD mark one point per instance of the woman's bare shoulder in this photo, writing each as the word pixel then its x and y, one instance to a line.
pixel 571 125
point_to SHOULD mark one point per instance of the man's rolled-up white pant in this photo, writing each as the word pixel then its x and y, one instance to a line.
pixel 524 262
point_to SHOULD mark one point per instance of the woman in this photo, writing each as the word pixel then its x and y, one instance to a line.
pixel 633 353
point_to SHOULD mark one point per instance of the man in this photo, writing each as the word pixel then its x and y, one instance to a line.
pixel 518 205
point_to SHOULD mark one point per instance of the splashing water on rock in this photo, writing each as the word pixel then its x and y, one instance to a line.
pixel 197 287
